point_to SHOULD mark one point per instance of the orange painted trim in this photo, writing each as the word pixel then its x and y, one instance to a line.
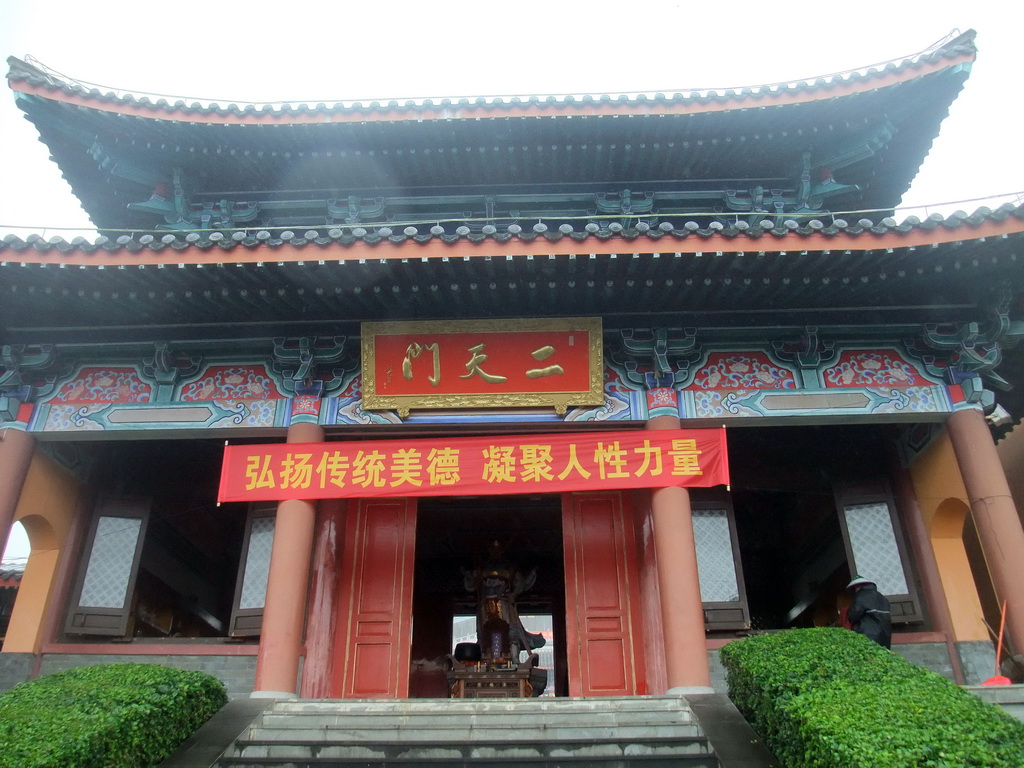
pixel 696 105
pixel 140 649
pixel 540 247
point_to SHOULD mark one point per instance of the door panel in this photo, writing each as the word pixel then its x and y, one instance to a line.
pixel 375 631
pixel 600 596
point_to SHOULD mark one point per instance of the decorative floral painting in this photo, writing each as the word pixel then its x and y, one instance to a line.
pixel 105 385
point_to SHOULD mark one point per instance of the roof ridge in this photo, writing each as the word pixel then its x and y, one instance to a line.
pixel 38 73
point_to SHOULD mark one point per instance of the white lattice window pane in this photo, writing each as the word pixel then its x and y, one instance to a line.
pixel 715 565
pixel 257 564
pixel 875 551
pixel 109 571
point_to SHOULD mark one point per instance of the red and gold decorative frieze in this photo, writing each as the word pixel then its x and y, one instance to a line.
pixel 105 385
pixel 873 368
pixel 482 364
pixel 742 370
pixel 221 382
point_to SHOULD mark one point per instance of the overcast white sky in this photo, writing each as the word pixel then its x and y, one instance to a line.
pixel 322 51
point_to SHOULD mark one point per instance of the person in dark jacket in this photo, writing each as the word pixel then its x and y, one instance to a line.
pixel 869 612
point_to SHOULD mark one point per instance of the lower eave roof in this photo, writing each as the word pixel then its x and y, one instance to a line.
pixel 378 241
pixel 937 270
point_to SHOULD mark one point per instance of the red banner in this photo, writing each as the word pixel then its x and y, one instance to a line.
pixel 505 464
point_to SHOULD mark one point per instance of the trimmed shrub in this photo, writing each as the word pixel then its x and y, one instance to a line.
pixel 830 698
pixel 107 716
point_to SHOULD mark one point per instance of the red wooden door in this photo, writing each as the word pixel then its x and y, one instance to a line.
pixel 375 620
pixel 600 596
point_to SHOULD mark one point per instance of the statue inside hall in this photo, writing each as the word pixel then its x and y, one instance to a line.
pixel 496 666
pixel 498 583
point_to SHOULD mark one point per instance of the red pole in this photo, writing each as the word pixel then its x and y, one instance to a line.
pixel 999 645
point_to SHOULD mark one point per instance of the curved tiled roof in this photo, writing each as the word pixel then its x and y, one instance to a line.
pixel 935 270
pixel 196 291
pixel 348 243
pixel 28 78
pixel 854 140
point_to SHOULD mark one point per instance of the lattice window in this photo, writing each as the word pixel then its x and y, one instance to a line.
pixel 257 564
pixel 110 565
pixel 718 561
pixel 253 571
pixel 875 550
pixel 715 565
pixel 102 595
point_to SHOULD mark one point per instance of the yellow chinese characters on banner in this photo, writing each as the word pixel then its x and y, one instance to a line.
pixel 463 466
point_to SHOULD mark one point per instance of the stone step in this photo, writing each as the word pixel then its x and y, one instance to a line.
pixel 456 753
pixel 532 733
pixel 426 734
pixel 483 706
pixel 464 719
pixel 641 761
pixel 1009 697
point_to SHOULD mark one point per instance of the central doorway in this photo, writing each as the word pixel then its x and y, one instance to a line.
pixel 453 535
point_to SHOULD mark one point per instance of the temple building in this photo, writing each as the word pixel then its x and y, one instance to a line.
pixel 615 379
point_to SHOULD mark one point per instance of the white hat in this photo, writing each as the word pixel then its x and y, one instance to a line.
pixel 859 581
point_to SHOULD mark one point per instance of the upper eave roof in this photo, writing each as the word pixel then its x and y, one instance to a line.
pixel 28 79
pixel 874 127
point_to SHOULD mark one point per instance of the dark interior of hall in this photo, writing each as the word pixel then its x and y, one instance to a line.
pixel 784 494
pixel 784 481
pixel 454 535
pixel 189 562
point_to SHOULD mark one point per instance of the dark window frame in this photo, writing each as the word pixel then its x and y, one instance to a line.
pixel 103 621
pixel 906 607
pixel 724 615
pixel 248 622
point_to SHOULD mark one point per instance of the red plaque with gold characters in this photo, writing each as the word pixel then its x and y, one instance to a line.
pixel 555 362
pixel 502 464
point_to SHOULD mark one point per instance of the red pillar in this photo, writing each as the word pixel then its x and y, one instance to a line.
pixel 16 449
pixel 995 515
pixel 277 665
pixel 682 612
pixel 317 668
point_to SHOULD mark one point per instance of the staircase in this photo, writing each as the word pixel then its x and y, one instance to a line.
pixel 653 732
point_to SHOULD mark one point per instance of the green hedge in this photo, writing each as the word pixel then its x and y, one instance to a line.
pixel 108 716
pixel 830 698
